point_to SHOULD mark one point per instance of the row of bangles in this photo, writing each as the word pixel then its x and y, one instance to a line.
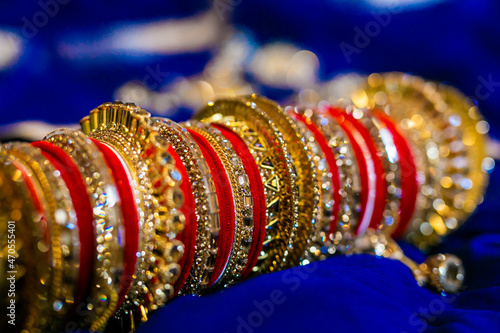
pixel 104 225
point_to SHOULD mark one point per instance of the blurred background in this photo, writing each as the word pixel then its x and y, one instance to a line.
pixel 61 58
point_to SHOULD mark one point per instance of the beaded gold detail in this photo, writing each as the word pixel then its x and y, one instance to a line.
pixel 268 147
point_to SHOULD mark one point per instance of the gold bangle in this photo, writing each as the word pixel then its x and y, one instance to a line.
pixel 307 178
pixel 269 149
pixel 62 222
pixel 242 197
pixel 24 258
pixel 107 223
pixel 126 129
pixel 390 160
pixel 450 134
pixel 207 206
pixel 340 239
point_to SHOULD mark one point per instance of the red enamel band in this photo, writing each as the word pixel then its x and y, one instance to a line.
pixel 188 235
pixel 226 206
pixel 36 201
pixel 409 184
pixel 373 193
pixel 330 159
pixel 71 175
pixel 258 196
pixel 129 213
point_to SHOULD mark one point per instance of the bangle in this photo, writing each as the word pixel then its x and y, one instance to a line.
pixel 329 204
pixel 373 195
pixel 123 181
pixel 70 173
pixel 188 235
pixel 207 206
pixel 21 216
pixel 341 234
pixel 257 194
pixel 408 172
pixel 307 178
pixel 449 134
pixel 269 150
pixel 57 207
pixel 390 158
pixel 107 227
pixel 125 129
pixel 240 196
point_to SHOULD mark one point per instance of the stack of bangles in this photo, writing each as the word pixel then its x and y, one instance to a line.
pixel 100 227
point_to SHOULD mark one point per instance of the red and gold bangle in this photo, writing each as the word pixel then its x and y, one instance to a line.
pixel 330 196
pixel 21 227
pixel 129 212
pixel 237 191
pixel 107 224
pixel 126 130
pixel 342 233
pixel 188 235
pixel 257 193
pixel 307 178
pixel 409 184
pixel 70 173
pixel 207 206
pixel 268 147
pixel 54 201
pixel 371 170
pixel 390 158
pixel 442 126
pixel 226 207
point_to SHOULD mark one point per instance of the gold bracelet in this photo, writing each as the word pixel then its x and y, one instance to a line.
pixel 450 134
pixel 242 197
pixel 340 238
pixel 270 151
pixel 107 223
pixel 390 159
pixel 307 178
pixel 62 222
pixel 126 129
pixel 23 255
pixel 207 206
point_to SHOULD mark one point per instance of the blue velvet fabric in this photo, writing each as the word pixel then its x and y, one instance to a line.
pixel 453 41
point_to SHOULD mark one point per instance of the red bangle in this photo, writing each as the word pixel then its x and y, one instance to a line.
pixel 36 201
pixel 332 164
pixel 71 175
pixel 226 206
pixel 374 194
pixel 188 235
pixel 258 196
pixel 409 184
pixel 129 214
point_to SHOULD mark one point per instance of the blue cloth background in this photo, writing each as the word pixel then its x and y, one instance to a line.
pixel 453 41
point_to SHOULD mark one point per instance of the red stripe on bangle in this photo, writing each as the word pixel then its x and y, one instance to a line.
pixel 36 202
pixel 226 206
pixel 71 175
pixel 374 191
pixel 129 213
pixel 188 235
pixel 409 185
pixel 258 196
pixel 330 159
